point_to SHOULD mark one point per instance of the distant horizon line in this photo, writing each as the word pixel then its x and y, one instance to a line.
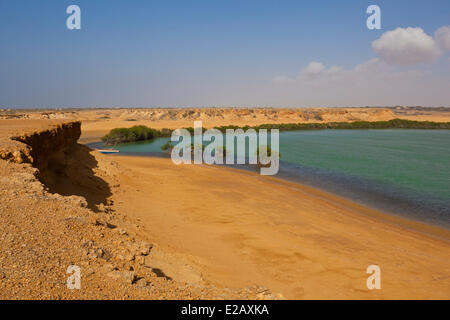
pixel 215 107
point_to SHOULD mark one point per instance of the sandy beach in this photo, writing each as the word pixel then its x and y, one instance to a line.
pixel 222 156
pixel 215 232
pixel 227 226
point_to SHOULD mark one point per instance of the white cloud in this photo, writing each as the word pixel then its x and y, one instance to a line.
pixel 442 36
pixel 374 82
pixel 316 69
pixel 369 66
pixel 406 46
pixel 380 81
pixel 372 71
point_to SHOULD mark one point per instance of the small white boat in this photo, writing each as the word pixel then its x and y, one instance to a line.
pixel 107 151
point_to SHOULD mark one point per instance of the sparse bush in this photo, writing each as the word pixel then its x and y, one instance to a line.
pixel 133 134
pixel 168 146
pixel 391 124
pixel 140 133
pixel 268 151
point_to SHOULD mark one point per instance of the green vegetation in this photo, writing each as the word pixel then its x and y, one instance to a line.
pixel 168 146
pixel 140 133
pixel 133 134
pixel 267 150
pixel 391 124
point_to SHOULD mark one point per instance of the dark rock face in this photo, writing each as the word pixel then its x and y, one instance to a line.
pixel 45 145
pixel 63 166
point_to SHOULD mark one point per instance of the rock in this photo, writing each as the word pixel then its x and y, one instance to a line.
pixel 122 232
pixel 126 257
pixel 110 226
pixel 95 221
pixel 126 276
pixel 142 283
pixel 269 296
pixel 108 210
pixel 147 262
pixel 101 221
pixel 140 260
pixel 19 157
pixel 108 267
pixel 35 188
pixel 94 252
pixel 262 296
pixel 76 200
pixel 88 244
pixel 145 248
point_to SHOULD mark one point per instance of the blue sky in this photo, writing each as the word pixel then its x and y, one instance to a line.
pixel 209 53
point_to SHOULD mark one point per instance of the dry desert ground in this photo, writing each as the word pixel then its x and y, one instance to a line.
pixel 143 228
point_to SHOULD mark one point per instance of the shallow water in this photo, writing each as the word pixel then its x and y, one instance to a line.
pixel 405 172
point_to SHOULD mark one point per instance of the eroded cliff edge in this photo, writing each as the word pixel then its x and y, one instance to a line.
pixel 43 145
pixel 56 211
pixel 37 147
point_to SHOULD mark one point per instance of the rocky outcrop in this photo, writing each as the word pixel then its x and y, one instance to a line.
pixel 21 154
pixel 48 189
pixel 40 146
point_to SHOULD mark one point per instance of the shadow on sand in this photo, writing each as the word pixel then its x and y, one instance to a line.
pixel 71 172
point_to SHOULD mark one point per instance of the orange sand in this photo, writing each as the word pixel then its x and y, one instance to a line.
pixel 235 228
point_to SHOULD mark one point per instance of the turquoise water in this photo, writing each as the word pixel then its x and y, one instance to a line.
pixel 405 172
pixel 415 159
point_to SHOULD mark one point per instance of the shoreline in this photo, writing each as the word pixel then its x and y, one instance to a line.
pixel 236 228
pixel 229 228
pixel 210 229
pixel 141 133
pixel 399 219
pixel 391 218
